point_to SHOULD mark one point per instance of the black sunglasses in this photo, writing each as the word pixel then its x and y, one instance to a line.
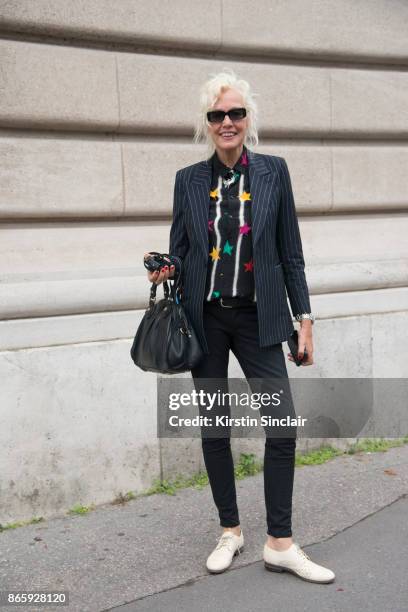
pixel 218 116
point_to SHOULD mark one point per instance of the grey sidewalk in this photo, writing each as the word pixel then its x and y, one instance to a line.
pixel 371 561
pixel 347 508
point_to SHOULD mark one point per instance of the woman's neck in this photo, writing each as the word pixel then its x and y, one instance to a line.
pixel 230 158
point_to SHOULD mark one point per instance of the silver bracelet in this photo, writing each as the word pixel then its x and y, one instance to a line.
pixel 305 315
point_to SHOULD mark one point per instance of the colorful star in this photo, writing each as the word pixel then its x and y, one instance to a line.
pixel 215 254
pixel 211 225
pixel 216 294
pixel 214 194
pixel 249 266
pixel 245 229
pixel 245 196
pixel 228 248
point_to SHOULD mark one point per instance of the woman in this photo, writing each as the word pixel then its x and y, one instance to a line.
pixel 236 234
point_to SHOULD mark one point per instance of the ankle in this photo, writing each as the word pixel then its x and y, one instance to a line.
pixel 235 530
pixel 279 544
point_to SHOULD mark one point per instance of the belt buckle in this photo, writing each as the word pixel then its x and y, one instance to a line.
pixel 224 305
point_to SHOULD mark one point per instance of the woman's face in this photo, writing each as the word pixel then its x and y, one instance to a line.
pixel 219 131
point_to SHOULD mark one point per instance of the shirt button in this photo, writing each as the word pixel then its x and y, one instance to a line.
pixel 221 273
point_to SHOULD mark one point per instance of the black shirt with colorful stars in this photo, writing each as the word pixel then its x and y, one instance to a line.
pixel 230 261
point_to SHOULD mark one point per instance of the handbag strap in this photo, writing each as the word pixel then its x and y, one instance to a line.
pixel 176 287
pixel 172 292
pixel 153 291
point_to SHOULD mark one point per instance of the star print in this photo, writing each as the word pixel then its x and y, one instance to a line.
pixel 245 196
pixel 216 294
pixel 249 266
pixel 245 229
pixel 228 248
pixel 211 225
pixel 215 254
pixel 214 194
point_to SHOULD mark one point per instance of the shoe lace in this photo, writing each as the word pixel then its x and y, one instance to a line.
pixel 225 540
pixel 302 552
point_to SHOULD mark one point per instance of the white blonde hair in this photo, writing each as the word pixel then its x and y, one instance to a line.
pixel 210 92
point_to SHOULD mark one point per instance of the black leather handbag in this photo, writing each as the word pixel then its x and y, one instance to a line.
pixel 165 340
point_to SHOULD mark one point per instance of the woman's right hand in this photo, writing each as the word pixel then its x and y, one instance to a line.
pixel 159 276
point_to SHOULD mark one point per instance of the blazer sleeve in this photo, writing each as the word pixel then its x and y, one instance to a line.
pixel 289 246
pixel 178 243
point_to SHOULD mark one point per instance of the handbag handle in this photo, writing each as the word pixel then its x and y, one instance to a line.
pixel 153 291
pixel 172 292
pixel 176 287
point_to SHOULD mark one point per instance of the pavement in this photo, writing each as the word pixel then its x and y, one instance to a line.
pixel 349 514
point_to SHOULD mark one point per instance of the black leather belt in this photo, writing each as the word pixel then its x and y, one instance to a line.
pixel 232 302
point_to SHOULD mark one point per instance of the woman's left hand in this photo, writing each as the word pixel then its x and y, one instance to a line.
pixel 305 341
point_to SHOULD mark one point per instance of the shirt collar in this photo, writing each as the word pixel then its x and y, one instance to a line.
pixel 220 168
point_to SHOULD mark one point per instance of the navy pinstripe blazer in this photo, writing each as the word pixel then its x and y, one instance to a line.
pixel 277 247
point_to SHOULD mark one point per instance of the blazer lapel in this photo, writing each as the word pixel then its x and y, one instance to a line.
pixel 198 194
pixel 262 180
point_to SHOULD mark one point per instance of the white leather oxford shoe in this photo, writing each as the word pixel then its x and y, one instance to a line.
pixel 296 561
pixel 228 546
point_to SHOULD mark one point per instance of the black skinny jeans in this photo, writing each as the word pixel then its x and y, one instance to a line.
pixel 237 329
